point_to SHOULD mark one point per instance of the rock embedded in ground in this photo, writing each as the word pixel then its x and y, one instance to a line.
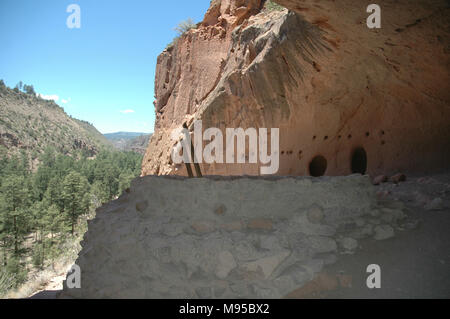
pixel 348 244
pixel 383 232
pixel 380 179
pixel 392 215
pixel 226 263
pixel 260 224
pixel 398 178
pixel 203 226
pixel 315 214
pixel 141 206
pixel 322 244
pixel 267 264
pixel 435 204
pixel 410 224
pixel 363 232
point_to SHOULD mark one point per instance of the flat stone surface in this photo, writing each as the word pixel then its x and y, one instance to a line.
pixel 226 263
pixel 266 265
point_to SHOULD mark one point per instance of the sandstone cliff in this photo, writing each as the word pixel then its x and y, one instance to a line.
pixel 345 97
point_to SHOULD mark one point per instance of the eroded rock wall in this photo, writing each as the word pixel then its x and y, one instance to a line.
pixel 319 74
pixel 171 237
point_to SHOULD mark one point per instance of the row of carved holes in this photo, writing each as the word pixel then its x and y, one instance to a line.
pixel 382 133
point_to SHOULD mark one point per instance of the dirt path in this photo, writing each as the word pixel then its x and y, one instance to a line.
pixel 54 285
pixel 415 263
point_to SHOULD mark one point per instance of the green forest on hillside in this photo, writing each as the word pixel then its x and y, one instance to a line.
pixel 41 210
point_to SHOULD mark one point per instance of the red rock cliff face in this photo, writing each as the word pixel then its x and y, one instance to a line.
pixel 374 101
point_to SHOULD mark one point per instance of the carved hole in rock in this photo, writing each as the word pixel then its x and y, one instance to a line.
pixel 316 67
pixel 359 161
pixel 318 166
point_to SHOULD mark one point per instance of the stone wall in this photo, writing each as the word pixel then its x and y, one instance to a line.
pixel 170 237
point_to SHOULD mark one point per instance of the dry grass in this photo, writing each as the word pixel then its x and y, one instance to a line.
pixel 39 280
pixel 32 286
pixel 6 282
pixel 273 6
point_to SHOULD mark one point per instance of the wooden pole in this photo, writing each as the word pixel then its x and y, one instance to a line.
pixel 196 165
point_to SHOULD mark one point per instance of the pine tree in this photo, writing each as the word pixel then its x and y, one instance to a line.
pixel 29 89
pixel 4 229
pixel 49 221
pixel 53 220
pixel 100 192
pixel 47 159
pixel 19 86
pixel 108 174
pixel 74 190
pixel 125 179
pixel 53 194
pixel 13 218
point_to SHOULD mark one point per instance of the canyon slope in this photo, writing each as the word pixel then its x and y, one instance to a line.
pixel 30 124
pixel 346 98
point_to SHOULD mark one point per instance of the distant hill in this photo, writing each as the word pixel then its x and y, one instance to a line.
pixel 129 141
pixel 123 135
pixel 31 124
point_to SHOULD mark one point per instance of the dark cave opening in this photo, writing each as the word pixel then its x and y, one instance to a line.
pixel 359 161
pixel 318 166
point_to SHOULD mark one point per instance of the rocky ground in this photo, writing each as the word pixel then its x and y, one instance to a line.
pixel 415 263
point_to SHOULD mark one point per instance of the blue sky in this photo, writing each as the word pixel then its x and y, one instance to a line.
pixel 103 72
